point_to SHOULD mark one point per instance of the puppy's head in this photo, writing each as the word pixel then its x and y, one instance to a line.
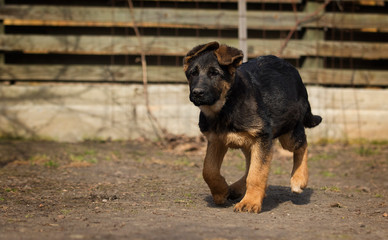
pixel 210 70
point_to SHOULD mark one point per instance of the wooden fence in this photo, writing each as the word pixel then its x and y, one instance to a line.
pixel 345 44
pixel 63 63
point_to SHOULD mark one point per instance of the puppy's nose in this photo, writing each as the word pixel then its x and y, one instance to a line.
pixel 198 92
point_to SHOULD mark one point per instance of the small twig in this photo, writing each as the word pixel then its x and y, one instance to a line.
pixel 299 22
pixel 154 122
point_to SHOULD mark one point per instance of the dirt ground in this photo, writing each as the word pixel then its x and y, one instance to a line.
pixel 138 190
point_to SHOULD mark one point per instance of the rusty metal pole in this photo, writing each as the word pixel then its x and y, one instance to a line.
pixel 242 28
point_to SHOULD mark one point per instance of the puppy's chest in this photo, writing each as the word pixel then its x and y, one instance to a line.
pixel 218 126
pixel 233 139
pixel 230 123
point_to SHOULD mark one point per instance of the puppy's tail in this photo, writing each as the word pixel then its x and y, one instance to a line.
pixel 311 120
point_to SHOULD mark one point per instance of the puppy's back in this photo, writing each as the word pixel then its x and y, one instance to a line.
pixel 279 91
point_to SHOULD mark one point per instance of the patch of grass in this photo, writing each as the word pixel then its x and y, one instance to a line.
pixel 240 165
pixel 189 195
pixel 95 139
pixel 366 151
pixel 237 153
pixel 65 211
pixel 114 156
pixel 43 159
pixel 342 236
pixel 372 164
pixel 39 159
pixel 88 156
pixel 331 188
pixel 138 155
pixel 90 152
pixel 8 137
pixel 325 141
pixel 279 171
pixel 186 199
pixel 357 141
pixel 10 190
pixel 16 137
pixel 183 161
pixel 186 202
pixel 379 142
pixel 378 195
pixel 327 174
pixel 322 156
pixel 51 164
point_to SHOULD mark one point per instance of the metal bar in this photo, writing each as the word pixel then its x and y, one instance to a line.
pixel 242 28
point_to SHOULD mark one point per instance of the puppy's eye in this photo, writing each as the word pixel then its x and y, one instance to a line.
pixel 194 72
pixel 213 72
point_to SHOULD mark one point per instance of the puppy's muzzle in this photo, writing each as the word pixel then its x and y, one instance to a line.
pixel 197 96
pixel 198 93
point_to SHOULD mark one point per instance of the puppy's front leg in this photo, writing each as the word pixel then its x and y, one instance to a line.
pixel 215 153
pixel 256 179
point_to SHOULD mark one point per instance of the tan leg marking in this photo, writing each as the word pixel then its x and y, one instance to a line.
pixel 286 142
pixel 256 182
pixel 215 153
pixel 299 175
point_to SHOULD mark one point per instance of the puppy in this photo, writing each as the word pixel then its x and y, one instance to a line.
pixel 248 106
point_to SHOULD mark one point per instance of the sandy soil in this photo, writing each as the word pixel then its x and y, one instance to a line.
pixel 137 190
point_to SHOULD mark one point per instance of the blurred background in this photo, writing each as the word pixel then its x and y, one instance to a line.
pixel 73 70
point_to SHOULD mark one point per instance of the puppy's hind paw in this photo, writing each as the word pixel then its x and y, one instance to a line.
pixel 297 185
pixel 296 189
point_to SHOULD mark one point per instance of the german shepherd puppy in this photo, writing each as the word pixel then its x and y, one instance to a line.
pixel 248 106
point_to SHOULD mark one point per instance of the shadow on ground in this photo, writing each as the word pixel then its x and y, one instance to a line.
pixel 275 196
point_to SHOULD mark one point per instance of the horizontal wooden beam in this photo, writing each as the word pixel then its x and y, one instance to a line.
pixel 179 46
pixel 90 73
pixel 234 1
pixel 345 77
pixel 347 49
pixel 181 18
pixel 164 74
pixel 361 2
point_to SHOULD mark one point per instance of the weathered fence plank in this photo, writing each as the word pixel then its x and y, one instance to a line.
pixel 181 18
pixel 234 1
pixel 90 73
pixel 345 77
pixel 166 74
pixel 172 46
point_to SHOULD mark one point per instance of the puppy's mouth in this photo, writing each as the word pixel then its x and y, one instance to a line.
pixel 202 100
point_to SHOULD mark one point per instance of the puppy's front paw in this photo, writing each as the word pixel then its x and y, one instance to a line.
pixel 248 206
pixel 220 199
pixel 235 194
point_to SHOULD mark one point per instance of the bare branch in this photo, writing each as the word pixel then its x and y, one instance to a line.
pixel 154 122
pixel 298 22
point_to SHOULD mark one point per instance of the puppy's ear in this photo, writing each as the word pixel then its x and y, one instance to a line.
pixel 229 56
pixel 197 50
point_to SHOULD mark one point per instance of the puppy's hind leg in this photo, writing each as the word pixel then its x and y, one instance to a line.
pixel 299 175
pixel 237 189
pixel 296 142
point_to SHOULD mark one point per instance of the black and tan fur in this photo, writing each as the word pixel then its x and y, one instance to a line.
pixel 248 106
